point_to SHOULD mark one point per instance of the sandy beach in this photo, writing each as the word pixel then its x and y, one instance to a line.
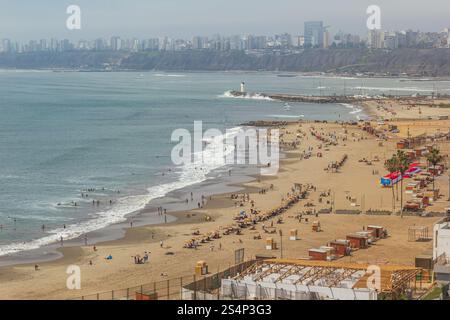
pixel 409 109
pixel 354 187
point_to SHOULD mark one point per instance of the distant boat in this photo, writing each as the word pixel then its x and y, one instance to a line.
pixel 286 75
pixel 287 107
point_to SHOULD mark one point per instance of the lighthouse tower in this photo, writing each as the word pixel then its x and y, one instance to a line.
pixel 242 87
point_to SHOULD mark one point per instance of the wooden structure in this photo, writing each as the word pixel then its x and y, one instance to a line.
pixel 358 241
pixel 316 226
pixel 330 274
pixel 318 254
pixel 369 234
pixel 201 268
pixel 271 244
pixel 293 235
pixel 341 247
pixel 424 261
pixel 378 232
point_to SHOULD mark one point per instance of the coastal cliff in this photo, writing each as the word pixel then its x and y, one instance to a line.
pixel 416 62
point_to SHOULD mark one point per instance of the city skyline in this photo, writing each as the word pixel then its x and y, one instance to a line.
pixel 27 20
pixel 316 35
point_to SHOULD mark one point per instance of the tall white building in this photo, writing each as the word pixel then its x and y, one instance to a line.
pixel 376 39
pixel 116 43
pixel 441 240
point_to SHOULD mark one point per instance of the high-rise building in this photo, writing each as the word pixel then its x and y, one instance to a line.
pixel 326 38
pixel 197 43
pixel 314 31
pixel 235 43
pixel 6 45
pixel 391 40
pixel 116 43
pixel 99 44
pixel 285 40
pixel 376 39
pixel 298 41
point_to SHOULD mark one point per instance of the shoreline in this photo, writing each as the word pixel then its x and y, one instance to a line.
pixel 115 232
pixel 296 73
pixel 53 251
pixel 17 278
pixel 173 202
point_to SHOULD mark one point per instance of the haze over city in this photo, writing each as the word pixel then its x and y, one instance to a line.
pixel 26 20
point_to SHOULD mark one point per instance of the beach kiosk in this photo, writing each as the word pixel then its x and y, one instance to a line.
pixel 201 268
pixel 271 244
pixel 318 254
pixel 377 231
pixel 358 241
pixel 316 226
pixel 341 247
pixel 293 235
pixel 330 252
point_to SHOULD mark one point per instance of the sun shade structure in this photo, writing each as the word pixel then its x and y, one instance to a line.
pixel 305 279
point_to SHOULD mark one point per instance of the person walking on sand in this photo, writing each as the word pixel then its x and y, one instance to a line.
pixel 145 257
pixel 161 243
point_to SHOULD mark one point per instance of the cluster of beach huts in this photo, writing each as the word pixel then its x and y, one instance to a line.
pixel 340 247
pixel 419 176
pixel 344 247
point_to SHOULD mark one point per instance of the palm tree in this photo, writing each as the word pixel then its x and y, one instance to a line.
pixel 434 158
pixel 391 166
pixel 402 167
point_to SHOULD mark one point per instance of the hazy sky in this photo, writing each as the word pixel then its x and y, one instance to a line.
pixel 34 19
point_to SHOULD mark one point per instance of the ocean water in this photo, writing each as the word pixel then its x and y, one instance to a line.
pixel 63 133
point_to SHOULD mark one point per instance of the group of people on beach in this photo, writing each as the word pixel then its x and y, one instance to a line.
pixel 142 260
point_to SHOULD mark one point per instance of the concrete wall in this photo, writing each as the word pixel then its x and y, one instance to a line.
pixel 442 274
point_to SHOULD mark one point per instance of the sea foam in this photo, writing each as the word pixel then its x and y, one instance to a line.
pixel 189 174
